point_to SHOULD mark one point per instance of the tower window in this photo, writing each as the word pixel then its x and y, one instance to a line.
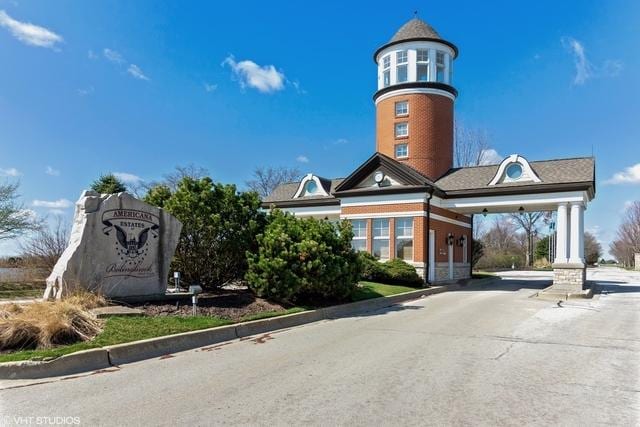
pixel 402 129
pixel 422 65
pixel 401 70
pixel 402 108
pixel 440 67
pixel 386 70
pixel 402 151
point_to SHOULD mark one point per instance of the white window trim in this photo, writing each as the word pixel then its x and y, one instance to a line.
pixel 413 246
pixel 396 150
pixel 395 130
pixel 395 107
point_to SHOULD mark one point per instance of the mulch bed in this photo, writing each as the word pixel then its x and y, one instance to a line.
pixel 233 305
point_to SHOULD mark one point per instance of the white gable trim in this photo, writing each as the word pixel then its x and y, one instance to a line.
pixel 515 158
pixel 310 177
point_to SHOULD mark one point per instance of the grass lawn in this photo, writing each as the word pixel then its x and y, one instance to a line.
pixel 21 290
pixel 368 290
pixel 121 329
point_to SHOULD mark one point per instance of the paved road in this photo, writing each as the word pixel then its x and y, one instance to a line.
pixel 484 356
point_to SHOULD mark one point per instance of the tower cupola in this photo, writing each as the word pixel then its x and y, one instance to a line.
pixel 414 100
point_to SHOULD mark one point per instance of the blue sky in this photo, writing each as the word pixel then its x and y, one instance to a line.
pixel 140 87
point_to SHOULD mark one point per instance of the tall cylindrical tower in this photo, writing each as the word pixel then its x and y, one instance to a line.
pixel 414 101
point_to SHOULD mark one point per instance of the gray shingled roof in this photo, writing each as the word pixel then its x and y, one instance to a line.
pixel 285 192
pixel 415 28
pixel 562 171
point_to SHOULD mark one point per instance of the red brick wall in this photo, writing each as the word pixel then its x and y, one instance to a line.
pixel 430 132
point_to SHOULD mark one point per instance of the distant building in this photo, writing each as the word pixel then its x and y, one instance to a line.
pixel 408 201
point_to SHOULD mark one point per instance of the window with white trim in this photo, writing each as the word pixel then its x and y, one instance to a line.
pixel 402 108
pixel 381 238
pixel 359 241
pixel 386 70
pixel 404 238
pixel 402 151
pixel 440 67
pixel 422 65
pixel 401 129
pixel 402 60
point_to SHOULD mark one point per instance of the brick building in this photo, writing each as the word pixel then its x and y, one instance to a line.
pixel 408 201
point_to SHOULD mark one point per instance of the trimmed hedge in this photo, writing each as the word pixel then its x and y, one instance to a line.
pixel 303 260
pixel 392 272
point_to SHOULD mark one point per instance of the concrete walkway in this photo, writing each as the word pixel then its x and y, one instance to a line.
pixel 489 355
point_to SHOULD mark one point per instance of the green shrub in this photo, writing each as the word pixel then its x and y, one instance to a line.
pixel 303 260
pixel 392 272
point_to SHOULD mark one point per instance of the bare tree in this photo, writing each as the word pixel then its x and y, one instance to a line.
pixel 265 180
pixel 528 222
pixel 169 180
pixel 15 220
pixel 470 145
pixel 45 247
pixel 627 241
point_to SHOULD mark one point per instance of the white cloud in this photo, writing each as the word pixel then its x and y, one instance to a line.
pixel 298 88
pixel 136 72
pixel 265 79
pixel 302 159
pixel 91 54
pixel 30 34
pixel 86 92
pixel 630 175
pixel 208 87
pixel 57 212
pixel 56 204
pixel 112 55
pixel 341 141
pixel 10 172
pixel 127 178
pixel 490 157
pixel 585 70
pixel 51 171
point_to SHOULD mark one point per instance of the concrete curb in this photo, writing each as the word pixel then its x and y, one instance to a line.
pixel 81 361
pixel 115 355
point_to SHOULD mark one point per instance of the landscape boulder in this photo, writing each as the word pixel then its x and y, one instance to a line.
pixel 119 247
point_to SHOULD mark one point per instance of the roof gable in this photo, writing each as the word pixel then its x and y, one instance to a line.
pixel 396 176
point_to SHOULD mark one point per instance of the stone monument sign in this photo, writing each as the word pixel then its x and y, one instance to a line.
pixel 119 247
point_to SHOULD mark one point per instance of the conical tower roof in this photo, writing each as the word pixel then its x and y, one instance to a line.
pixel 415 30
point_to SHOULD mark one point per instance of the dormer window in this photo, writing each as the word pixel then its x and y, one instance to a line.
pixel 514 169
pixel 311 187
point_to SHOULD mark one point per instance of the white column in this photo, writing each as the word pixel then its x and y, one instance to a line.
pixel 561 241
pixel 577 234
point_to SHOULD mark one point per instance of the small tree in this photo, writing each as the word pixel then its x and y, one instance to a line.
pixel 542 249
pixel 108 184
pixel 158 195
pixel 15 220
pixel 265 180
pixel 592 248
pixel 302 260
pixel 477 251
pixel 46 246
pixel 219 225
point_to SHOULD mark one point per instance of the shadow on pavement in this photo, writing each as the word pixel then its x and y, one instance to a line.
pixel 512 285
pixel 612 287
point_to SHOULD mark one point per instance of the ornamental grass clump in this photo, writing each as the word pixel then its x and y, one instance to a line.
pixel 49 323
